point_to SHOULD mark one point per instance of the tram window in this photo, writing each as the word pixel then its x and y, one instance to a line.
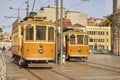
pixel 86 40
pixel 50 33
pixel 22 31
pixel 40 32
pixel 72 39
pixel 79 39
pixel 29 32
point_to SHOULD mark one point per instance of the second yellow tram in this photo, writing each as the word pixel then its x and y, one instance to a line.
pixel 76 44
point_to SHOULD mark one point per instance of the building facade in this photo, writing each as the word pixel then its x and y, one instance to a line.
pixel 99 38
pixel 94 21
pixel 5 40
pixel 50 14
pixel 77 17
pixel 116 27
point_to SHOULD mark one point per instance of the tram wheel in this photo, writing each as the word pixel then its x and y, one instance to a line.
pixel 23 63
pixel 84 59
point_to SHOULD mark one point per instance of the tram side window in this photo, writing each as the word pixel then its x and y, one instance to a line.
pixel 79 39
pixel 29 32
pixel 40 32
pixel 50 33
pixel 86 40
pixel 72 39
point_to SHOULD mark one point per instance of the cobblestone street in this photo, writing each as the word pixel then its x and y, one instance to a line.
pixel 70 71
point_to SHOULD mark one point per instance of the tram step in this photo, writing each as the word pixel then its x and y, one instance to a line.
pixel 41 65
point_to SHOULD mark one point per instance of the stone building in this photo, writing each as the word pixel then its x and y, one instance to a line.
pixel 94 21
pixel 50 14
pixel 5 40
pixel 77 17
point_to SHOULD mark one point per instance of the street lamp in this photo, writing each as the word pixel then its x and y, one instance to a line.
pixel 9 17
pixel 18 9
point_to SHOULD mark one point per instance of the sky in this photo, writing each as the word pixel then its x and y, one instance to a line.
pixel 93 8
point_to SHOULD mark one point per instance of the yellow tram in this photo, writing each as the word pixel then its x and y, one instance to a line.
pixel 76 44
pixel 33 41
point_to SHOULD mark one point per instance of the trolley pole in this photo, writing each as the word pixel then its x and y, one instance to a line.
pixel 56 47
pixel 61 32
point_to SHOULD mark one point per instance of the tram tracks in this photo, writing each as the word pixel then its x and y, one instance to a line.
pixel 59 72
pixel 32 73
pixel 52 71
pixel 35 71
pixel 63 74
pixel 100 66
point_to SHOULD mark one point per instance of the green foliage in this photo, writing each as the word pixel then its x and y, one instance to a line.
pixel 107 21
pixel 1 30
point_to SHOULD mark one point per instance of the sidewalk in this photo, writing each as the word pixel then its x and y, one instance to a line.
pixel 105 59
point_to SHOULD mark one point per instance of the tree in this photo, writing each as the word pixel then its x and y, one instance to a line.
pixel 1 30
pixel 107 21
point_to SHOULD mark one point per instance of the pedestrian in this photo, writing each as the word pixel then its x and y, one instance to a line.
pixel 3 49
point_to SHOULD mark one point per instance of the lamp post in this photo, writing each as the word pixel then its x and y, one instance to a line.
pixel 16 9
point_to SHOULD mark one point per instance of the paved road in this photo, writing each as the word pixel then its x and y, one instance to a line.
pixel 69 71
pixel 112 60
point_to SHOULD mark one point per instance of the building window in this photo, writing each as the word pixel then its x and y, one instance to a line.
pixel 98 32
pixel 91 40
pixel 107 33
pixel 107 40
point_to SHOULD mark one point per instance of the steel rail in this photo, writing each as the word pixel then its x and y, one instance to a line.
pixel 62 74
pixel 100 66
pixel 39 78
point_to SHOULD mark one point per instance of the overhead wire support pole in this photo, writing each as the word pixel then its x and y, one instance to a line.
pixel 61 34
pixel 56 45
pixel 27 9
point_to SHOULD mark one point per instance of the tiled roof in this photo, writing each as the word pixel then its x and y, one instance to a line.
pixel 5 41
pixel 78 25
pixel 66 22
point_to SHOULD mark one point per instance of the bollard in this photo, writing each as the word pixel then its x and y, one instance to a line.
pixel 63 59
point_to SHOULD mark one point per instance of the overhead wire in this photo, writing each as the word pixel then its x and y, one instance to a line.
pixel 33 5
pixel 16 11
pixel 40 3
pixel 75 5
pixel 46 2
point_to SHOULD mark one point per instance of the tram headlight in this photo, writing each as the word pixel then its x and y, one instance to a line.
pixel 41 50
pixel 79 50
